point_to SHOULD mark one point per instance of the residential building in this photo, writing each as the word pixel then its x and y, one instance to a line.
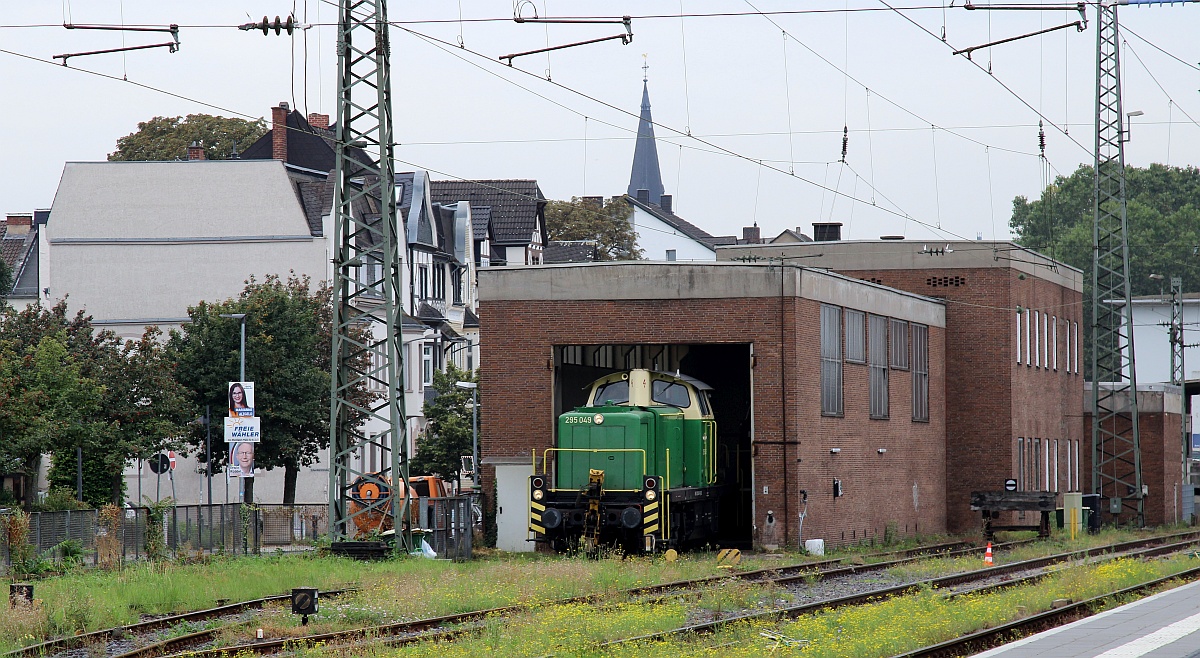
pixel 516 211
pixel 21 249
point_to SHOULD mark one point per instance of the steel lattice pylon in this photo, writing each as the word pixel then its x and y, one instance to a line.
pixel 367 271
pixel 1116 444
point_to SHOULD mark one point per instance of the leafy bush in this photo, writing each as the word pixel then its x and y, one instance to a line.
pixel 59 499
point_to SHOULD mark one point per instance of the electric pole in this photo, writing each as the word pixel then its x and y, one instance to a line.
pixel 367 276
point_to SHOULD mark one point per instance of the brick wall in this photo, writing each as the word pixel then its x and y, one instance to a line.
pixel 517 377
pixel 990 400
pixel 1162 471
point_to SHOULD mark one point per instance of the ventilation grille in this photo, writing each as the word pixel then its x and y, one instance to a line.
pixel 876 281
pixel 946 281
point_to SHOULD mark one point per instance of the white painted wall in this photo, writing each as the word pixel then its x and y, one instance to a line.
pixel 655 237
pixel 1151 340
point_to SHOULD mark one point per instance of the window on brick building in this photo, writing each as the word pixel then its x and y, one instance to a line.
pixel 1070 482
pixel 1055 465
pixel 1045 341
pixel 1037 345
pixel 1028 355
pixel 1054 323
pixel 1046 466
pixel 1018 343
pixel 899 344
pixel 1075 330
pixel 1036 467
pixel 877 358
pixel 856 336
pixel 831 360
pixel 1021 463
pixel 920 371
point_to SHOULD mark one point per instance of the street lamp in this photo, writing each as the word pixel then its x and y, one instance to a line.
pixel 474 430
pixel 242 318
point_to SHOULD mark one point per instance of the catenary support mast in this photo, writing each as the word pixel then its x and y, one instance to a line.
pixel 367 278
pixel 1116 442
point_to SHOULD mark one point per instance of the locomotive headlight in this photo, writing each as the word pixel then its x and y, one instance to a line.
pixel 598 419
pixel 651 495
pixel 538 494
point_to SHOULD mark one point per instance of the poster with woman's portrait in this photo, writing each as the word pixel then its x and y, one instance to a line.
pixel 241 460
pixel 241 399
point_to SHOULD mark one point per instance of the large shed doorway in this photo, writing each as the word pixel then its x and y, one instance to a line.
pixel 723 366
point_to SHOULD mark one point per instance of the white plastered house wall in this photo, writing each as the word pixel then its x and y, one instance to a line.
pixel 655 237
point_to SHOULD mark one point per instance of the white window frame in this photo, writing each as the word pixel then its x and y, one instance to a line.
pixel 1018 336
pixel 1037 345
pixel 1045 341
pixel 1076 327
pixel 1056 465
pixel 1055 323
pixel 1028 355
pixel 426 365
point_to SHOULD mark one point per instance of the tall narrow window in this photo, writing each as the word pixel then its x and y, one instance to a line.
pixel 1018 343
pixel 1035 471
pixel 1070 487
pixel 1037 345
pixel 831 360
pixel 1021 463
pixel 1055 465
pixel 920 370
pixel 856 336
pixel 427 364
pixel 1075 326
pixel 1046 465
pixel 1028 352
pixel 899 344
pixel 1045 341
pixel 878 359
pixel 1054 323
pixel 423 281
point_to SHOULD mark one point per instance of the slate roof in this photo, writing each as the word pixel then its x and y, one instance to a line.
pixel 307 147
pixel 645 174
pixel 317 199
pixel 481 222
pixel 19 252
pixel 516 205
pixel 470 320
pixel 575 251
pixel 682 225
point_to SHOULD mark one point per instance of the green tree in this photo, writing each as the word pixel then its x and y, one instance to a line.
pixel 141 408
pixel 144 411
pixel 1163 215
pixel 448 433
pixel 167 138
pixel 45 402
pixel 6 281
pixel 609 225
pixel 288 355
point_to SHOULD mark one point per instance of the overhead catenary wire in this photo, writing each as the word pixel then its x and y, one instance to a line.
pixel 443 44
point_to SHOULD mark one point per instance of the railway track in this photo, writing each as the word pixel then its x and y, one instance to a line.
pixel 58 645
pixel 1139 548
pixel 118 638
pixel 451 627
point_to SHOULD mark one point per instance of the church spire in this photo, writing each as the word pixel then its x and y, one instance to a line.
pixel 646 174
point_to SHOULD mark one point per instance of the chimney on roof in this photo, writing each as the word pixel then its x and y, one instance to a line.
pixel 19 224
pixel 593 201
pixel 196 152
pixel 643 195
pixel 827 231
pixel 318 120
pixel 279 131
pixel 751 234
pixel 664 202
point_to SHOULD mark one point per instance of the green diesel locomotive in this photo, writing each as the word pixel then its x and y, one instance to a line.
pixel 636 467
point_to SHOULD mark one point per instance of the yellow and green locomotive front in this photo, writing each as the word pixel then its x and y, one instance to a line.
pixel 644 440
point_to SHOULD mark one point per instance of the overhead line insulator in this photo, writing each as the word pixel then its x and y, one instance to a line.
pixel 280 25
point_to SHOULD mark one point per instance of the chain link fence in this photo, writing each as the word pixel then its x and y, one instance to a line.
pixel 120 536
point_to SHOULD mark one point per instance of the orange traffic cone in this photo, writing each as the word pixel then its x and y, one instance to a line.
pixel 987 556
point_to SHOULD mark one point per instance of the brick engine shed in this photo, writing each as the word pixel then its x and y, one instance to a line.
pixel 824 385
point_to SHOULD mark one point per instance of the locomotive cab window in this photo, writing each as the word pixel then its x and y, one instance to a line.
pixel 702 398
pixel 670 393
pixel 615 392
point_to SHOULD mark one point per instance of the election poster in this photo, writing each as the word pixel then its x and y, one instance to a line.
pixel 239 430
pixel 241 399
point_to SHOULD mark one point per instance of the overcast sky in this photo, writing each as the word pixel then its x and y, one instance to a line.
pixel 759 106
